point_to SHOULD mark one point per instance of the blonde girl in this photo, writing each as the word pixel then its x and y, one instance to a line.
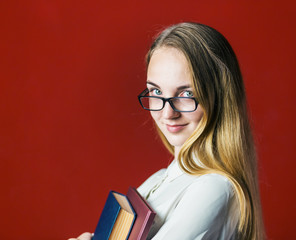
pixel 196 97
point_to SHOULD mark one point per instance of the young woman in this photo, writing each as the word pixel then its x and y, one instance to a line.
pixel 196 97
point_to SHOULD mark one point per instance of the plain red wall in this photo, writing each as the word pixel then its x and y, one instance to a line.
pixel 71 127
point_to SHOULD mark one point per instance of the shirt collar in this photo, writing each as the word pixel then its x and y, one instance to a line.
pixel 173 171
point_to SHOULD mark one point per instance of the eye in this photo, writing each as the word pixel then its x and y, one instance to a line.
pixel 186 94
pixel 155 92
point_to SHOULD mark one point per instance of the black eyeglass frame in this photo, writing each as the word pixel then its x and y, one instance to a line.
pixel 164 100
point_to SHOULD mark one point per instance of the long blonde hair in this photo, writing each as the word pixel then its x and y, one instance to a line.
pixel 223 140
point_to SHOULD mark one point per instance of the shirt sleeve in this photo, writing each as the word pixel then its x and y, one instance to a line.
pixel 201 211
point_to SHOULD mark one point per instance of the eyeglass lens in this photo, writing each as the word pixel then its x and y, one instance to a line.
pixel 180 104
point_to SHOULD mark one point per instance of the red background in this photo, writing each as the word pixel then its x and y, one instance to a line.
pixel 71 128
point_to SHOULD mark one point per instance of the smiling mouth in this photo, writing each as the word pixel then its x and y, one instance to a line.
pixel 175 128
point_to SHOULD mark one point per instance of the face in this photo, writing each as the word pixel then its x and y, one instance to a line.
pixel 168 75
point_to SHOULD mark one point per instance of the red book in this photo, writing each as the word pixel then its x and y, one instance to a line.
pixel 145 215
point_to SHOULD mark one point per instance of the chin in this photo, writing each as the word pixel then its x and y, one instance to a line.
pixel 175 142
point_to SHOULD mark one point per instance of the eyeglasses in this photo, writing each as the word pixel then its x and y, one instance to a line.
pixel 179 104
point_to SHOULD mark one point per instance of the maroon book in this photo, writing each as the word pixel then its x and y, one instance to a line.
pixel 145 215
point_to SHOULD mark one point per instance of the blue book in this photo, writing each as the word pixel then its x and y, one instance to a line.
pixel 116 220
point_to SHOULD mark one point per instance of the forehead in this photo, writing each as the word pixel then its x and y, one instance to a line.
pixel 168 67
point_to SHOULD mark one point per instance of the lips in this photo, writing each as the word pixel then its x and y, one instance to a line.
pixel 175 128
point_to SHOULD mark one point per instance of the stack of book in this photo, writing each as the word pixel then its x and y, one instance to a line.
pixel 124 217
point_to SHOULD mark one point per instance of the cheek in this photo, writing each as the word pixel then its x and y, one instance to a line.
pixel 197 115
pixel 155 115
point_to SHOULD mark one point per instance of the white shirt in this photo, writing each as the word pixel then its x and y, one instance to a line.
pixel 190 207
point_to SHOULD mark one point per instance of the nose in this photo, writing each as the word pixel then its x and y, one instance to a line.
pixel 168 112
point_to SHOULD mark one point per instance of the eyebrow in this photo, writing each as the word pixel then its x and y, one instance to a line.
pixel 178 88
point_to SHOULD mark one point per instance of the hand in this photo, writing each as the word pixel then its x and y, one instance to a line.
pixel 84 236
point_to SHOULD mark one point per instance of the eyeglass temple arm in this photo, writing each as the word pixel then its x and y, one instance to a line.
pixel 144 92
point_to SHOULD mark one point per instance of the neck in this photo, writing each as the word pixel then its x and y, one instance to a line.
pixel 177 150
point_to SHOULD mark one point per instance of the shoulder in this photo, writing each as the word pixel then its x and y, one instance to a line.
pixel 209 198
pixel 213 179
pixel 204 207
pixel 157 175
pixel 211 186
pixel 151 181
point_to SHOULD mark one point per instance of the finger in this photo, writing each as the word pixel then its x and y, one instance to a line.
pixel 85 236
